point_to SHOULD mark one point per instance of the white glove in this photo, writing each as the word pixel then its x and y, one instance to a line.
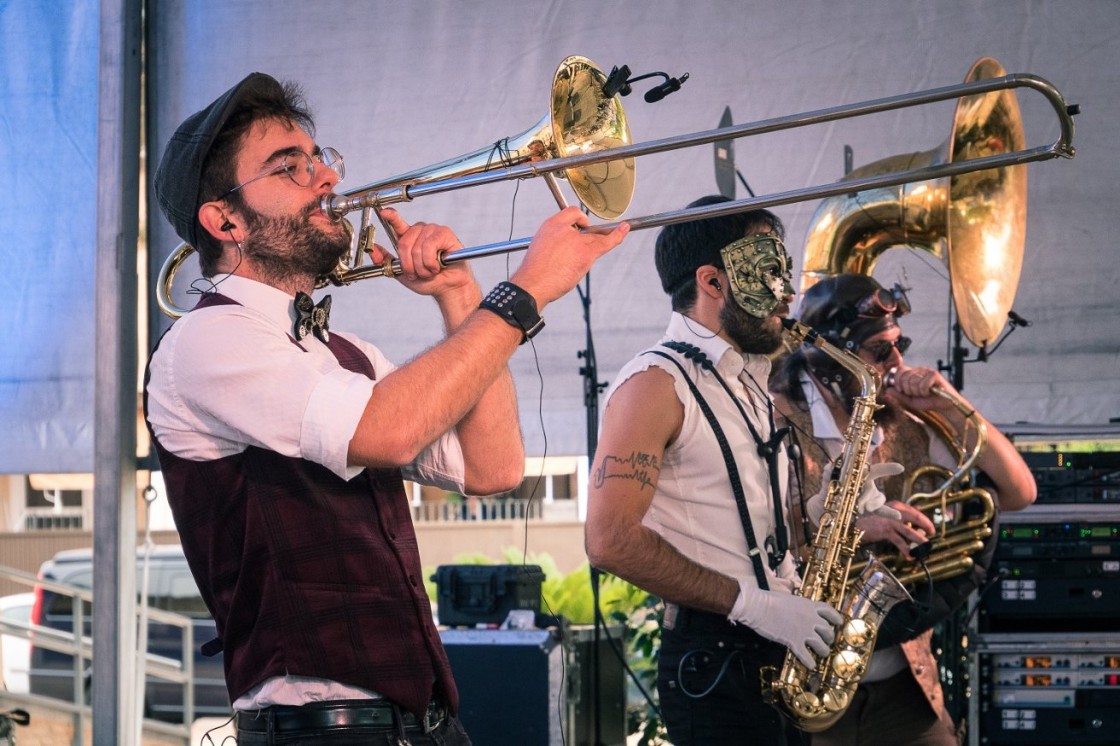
pixel 871 499
pixel 798 623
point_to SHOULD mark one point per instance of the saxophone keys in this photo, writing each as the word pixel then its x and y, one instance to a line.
pixel 846 664
pixel 806 703
pixel 836 700
pixel 857 633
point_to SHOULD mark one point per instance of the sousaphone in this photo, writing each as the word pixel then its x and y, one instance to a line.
pixel 974 222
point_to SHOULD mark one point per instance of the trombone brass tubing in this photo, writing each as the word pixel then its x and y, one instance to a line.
pixel 338 205
pixel 167 276
pixel 729 208
pixel 1061 147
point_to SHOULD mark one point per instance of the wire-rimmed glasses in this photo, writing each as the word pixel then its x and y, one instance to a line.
pixel 300 168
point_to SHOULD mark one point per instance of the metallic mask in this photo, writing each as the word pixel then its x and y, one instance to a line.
pixel 760 274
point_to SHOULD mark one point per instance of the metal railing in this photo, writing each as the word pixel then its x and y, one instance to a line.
pixel 54 519
pixel 478 509
pixel 80 647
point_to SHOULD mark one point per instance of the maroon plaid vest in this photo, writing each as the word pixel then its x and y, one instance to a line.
pixel 308 574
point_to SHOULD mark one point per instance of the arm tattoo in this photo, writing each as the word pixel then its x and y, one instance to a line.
pixel 642 468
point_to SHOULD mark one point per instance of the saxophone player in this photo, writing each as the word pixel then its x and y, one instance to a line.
pixel 687 485
pixel 899 699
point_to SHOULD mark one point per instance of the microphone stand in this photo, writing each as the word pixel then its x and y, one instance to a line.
pixel 958 353
pixel 957 358
pixel 592 387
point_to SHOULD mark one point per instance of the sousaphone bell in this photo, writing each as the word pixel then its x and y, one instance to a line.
pixel 974 222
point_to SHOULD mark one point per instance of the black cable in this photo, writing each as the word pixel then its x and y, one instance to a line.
pixel 207 737
pixel 544 455
pixel 1000 574
pixel 562 636
pixel 715 682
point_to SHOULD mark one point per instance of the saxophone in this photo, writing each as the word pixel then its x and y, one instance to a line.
pixel 815 698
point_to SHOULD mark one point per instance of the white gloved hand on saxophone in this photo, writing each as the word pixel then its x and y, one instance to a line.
pixel 802 625
pixel 871 498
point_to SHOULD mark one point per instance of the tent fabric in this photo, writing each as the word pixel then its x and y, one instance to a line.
pixel 48 145
pixel 396 86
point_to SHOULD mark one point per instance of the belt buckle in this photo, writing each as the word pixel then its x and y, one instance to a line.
pixel 669 616
pixel 433 716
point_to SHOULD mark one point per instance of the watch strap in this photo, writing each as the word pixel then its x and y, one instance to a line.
pixel 516 307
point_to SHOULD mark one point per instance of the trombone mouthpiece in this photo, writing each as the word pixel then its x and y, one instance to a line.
pixel 326 204
pixel 337 205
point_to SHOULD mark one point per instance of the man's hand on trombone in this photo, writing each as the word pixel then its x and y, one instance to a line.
pixel 561 253
pixel 420 247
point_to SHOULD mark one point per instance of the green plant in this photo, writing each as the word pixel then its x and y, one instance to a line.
pixel 643 643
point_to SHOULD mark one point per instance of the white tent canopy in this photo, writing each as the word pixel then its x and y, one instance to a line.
pixel 396 86
pixel 400 85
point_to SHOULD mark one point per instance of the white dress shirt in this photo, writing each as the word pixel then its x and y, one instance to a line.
pixel 227 377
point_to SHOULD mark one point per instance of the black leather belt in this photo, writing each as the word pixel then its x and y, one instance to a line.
pixel 366 714
pixel 687 620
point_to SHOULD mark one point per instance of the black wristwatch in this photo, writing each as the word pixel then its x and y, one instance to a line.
pixel 516 307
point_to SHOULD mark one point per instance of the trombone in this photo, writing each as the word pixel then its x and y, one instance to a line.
pixel 606 165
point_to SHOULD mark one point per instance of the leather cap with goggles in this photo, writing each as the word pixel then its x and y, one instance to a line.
pixel 760 273
pixel 883 302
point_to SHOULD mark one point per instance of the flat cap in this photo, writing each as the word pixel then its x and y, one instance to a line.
pixel 180 169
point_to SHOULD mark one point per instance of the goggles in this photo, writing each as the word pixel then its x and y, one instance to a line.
pixel 758 268
pixel 883 302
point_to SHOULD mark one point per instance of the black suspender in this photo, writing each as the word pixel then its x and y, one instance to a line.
pixel 768 449
pixel 732 471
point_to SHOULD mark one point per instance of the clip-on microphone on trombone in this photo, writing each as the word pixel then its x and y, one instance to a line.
pixel 619 84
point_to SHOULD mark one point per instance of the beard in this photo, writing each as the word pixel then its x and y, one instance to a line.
pixel 291 248
pixel 751 334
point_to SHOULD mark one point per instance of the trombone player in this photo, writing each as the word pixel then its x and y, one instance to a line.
pixel 283 441
pixel 899 699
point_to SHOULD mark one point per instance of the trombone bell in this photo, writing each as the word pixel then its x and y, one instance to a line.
pixel 585 121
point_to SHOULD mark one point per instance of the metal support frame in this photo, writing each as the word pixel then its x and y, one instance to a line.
pixel 114 532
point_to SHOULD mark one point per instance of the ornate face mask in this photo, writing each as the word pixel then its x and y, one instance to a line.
pixel 759 269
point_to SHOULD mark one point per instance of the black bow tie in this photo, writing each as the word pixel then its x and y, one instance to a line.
pixel 312 317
